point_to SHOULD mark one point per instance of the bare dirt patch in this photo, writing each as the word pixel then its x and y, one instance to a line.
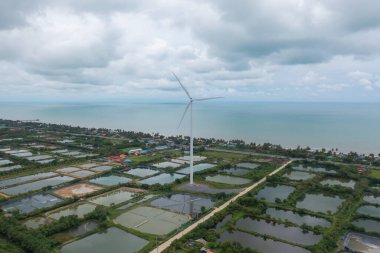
pixel 77 190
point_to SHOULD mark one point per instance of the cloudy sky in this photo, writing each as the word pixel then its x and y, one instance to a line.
pixel 272 50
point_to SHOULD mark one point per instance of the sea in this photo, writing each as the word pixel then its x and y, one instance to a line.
pixel 345 126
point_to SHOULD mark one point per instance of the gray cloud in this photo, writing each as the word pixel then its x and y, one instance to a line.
pixel 247 49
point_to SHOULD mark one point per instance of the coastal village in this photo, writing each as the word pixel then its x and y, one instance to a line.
pixel 63 188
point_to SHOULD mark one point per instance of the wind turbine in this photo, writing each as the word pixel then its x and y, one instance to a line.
pixel 190 105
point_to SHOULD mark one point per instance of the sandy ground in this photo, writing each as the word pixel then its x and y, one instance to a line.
pixel 3 195
pixel 77 190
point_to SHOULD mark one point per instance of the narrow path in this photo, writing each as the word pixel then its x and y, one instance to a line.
pixel 187 230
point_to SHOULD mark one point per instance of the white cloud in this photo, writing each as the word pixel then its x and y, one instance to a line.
pixel 248 49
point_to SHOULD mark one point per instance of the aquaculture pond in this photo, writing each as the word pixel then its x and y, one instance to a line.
pixel 368 225
pixel 288 233
pixel 196 168
pixel 67 169
pixel 339 182
pixel 227 180
pixel 82 229
pixel 183 203
pixel 223 222
pixel 369 210
pixel 320 203
pixel 271 193
pixel 113 198
pixel 88 165
pixel 35 223
pixel 248 165
pixel 30 203
pixel 297 218
pixel 204 188
pixel 150 196
pixel 151 220
pixel 101 168
pixel 113 240
pixel 110 180
pixel 82 173
pixel 9 168
pixel 80 210
pixel 164 178
pixel 164 165
pixel 259 243
pixel 19 180
pixel 236 171
pixel 312 169
pixel 372 199
pixel 36 185
pixel 142 172
pixel 358 242
pixel 299 175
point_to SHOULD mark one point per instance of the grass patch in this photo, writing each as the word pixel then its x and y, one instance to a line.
pixel 374 173
pixel 6 246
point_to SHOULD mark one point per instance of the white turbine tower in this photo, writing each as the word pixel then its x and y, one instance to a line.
pixel 190 104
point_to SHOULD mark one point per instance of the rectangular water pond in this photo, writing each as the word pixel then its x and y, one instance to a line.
pixel 5 162
pixel 19 180
pixel 183 203
pixel 113 240
pixel 358 242
pixel 256 242
pixel 368 225
pixel 88 165
pixel 79 210
pixel 110 180
pixel 236 171
pixel 164 178
pixel 164 165
pixel 9 168
pixel 271 193
pixel 37 185
pixel 114 198
pixel 196 168
pixel 30 203
pixel 142 172
pixel 35 223
pixel 320 203
pixel 312 169
pixel 297 218
pixel 292 234
pixel 372 199
pixel 369 210
pixel 227 180
pixel 336 182
pixel 299 175
pixel 82 173
pixel 151 220
pixel 102 168
pixel 248 165
pixel 74 233
pixel 67 169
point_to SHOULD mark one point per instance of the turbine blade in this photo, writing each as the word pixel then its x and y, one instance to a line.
pixel 202 99
pixel 184 114
pixel 183 87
